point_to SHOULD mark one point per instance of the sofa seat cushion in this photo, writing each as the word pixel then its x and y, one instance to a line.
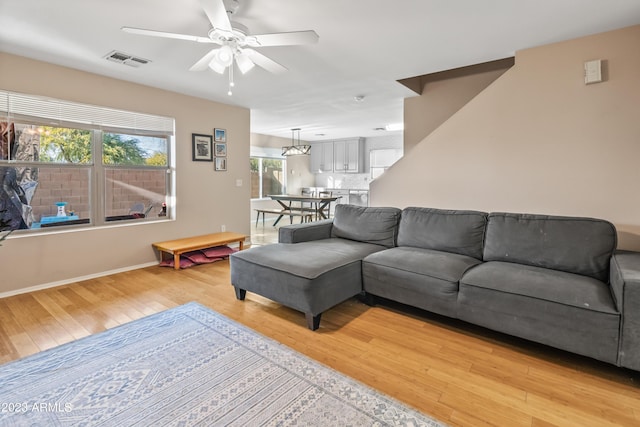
pixel 543 283
pixel 309 259
pixel 424 278
pixel 565 310
pixel 444 266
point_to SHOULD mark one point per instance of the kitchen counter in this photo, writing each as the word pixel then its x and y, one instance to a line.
pixel 353 196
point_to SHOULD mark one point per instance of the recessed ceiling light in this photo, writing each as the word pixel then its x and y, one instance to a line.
pixel 394 126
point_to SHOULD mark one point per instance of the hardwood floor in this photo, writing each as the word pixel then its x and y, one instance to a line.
pixel 460 374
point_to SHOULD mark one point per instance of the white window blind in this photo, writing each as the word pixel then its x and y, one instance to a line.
pixel 17 106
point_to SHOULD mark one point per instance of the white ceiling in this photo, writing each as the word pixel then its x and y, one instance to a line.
pixel 364 47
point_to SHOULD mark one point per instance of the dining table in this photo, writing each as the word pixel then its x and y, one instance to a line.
pixel 318 206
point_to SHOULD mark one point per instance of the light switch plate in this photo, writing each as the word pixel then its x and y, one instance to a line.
pixel 593 71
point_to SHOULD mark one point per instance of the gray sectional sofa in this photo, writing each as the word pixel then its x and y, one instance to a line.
pixel 555 280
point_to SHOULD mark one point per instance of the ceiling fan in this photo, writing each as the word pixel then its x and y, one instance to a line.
pixel 235 43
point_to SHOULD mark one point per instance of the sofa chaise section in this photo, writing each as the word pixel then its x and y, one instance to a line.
pixel 320 266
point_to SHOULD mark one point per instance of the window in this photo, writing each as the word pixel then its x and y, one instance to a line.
pixel 267 176
pixel 66 164
pixel 136 181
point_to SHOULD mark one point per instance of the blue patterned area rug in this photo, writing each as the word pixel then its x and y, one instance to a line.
pixel 183 367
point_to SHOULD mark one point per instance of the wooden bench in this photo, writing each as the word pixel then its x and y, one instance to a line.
pixel 179 246
pixel 283 212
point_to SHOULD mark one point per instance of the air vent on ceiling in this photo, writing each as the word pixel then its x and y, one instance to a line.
pixel 125 58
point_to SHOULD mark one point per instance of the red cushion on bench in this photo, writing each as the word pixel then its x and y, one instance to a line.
pixel 198 257
pixel 218 252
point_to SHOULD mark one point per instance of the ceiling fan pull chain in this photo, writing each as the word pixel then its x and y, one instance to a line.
pixel 231 83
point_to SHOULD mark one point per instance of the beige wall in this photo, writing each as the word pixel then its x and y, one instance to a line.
pixel 440 99
pixel 538 140
pixel 205 199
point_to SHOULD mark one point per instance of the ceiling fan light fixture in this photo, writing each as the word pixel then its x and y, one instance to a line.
pixel 234 41
pixel 216 66
pixel 244 63
pixel 224 56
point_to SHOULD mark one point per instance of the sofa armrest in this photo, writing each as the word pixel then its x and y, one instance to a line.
pixel 305 232
pixel 625 285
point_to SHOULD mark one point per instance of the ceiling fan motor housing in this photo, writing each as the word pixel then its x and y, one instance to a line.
pixel 234 40
pixel 238 34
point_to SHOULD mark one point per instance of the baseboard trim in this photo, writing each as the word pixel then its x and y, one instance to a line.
pixel 75 279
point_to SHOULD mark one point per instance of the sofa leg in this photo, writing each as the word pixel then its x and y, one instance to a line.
pixel 240 293
pixel 313 322
pixel 368 299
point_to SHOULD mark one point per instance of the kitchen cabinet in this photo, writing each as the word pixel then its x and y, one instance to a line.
pixel 347 155
pixel 380 160
pixel 322 157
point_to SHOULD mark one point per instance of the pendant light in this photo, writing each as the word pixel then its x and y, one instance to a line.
pixel 295 149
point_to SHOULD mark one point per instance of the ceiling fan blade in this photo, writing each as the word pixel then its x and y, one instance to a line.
pixel 265 62
pixel 284 39
pixel 203 63
pixel 167 35
pixel 217 14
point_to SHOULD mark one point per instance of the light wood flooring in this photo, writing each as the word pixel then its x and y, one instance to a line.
pixel 458 373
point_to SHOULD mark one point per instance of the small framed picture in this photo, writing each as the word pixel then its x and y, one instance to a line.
pixel 221 164
pixel 220 149
pixel 202 147
pixel 220 135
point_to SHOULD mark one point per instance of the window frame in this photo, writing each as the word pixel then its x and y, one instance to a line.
pixel 260 158
pixel 97 120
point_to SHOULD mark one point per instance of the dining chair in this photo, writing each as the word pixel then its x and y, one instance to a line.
pixel 307 207
pixel 326 211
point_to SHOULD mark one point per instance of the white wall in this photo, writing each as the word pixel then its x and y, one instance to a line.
pixel 538 140
pixel 205 199
pixel 391 140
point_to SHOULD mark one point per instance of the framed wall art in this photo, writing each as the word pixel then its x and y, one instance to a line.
pixel 221 164
pixel 202 148
pixel 220 149
pixel 220 135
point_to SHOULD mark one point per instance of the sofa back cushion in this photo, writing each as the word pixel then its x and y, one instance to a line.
pixel 366 224
pixel 454 231
pixel 575 245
